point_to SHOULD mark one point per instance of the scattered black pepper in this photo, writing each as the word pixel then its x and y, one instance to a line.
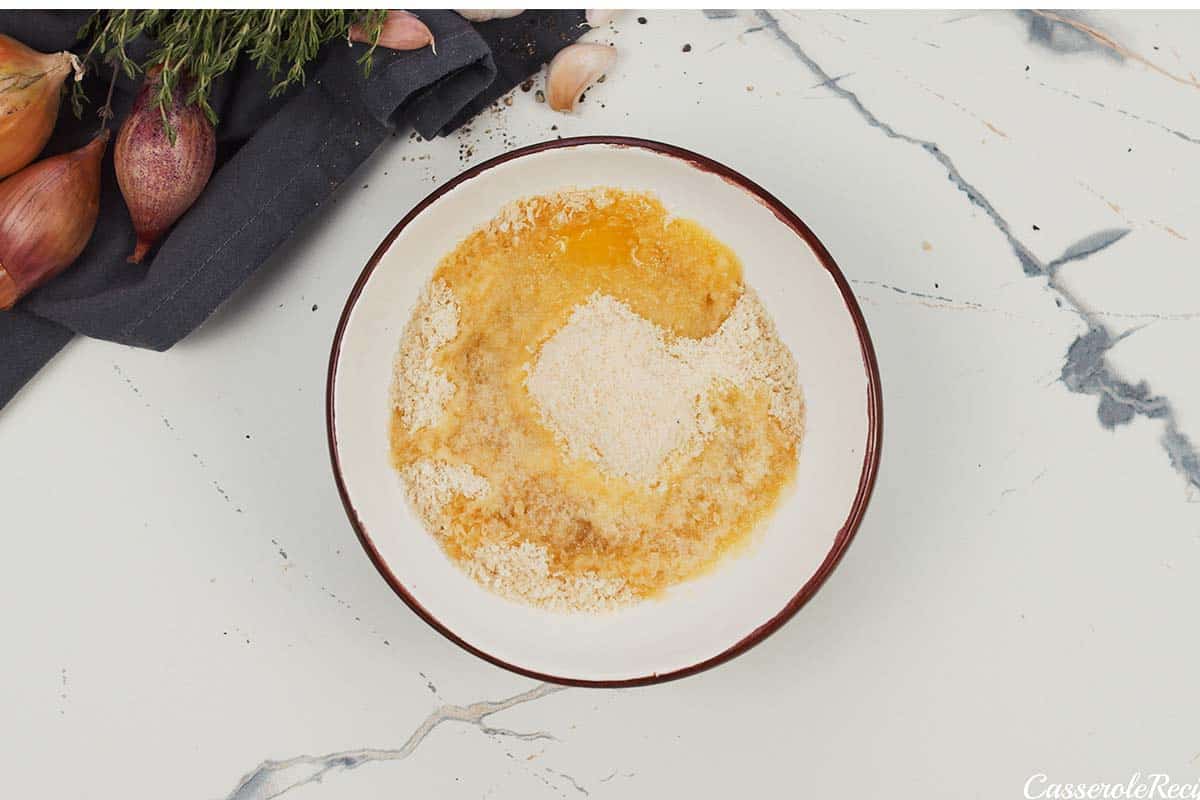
pixel 314 306
pixel 1036 228
pixel 602 78
pixel 540 96
pixel 1027 68
pixel 553 127
pixel 641 20
pixel 582 97
pixel 527 85
pixel 687 48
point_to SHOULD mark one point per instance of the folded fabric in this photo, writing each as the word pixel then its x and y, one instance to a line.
pixel 278 160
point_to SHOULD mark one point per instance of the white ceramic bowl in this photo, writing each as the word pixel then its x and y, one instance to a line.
pixel 696 624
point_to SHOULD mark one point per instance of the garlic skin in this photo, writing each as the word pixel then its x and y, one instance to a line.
pixel 486 14
pixel 160 179
pixel 573 70
pixel 401 31
pixel 30 90
pixel 599 17
pixel 47 214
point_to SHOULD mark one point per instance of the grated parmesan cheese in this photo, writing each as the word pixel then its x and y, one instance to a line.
pixel 619 392
pixel 523 573
pixel 431 484
pixel 420 391
pixel 520 215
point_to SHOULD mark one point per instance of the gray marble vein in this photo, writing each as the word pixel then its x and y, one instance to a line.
pixel 963 17
pixel 1086 369
pixel 831 81
pixel 1029 261
pixel 1076 23
pixel 912 292
pixel 1122 112
pixel 1057 34
pixel 1085 372
pixel 574 783
pixel 1087 246
pixel 950 303
pixel 272 779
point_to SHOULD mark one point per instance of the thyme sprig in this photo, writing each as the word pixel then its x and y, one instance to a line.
pixel 200 45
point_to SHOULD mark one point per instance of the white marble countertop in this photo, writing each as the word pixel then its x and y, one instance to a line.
pixel 187 612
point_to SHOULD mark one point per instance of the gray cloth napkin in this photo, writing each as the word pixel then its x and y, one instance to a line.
pixel 278 160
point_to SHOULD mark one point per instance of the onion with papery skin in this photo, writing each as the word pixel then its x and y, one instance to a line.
pixel 573 70
pixel 30 90
pixel 401 31
pixel 160 179
pixel 47 214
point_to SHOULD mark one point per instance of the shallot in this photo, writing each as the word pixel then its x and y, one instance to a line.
pixel 30 91
pixel 47 214
pixel 160 179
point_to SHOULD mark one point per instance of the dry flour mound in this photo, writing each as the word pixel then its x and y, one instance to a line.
pixel 619 391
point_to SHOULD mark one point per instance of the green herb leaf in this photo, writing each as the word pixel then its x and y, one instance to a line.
pixel 203 44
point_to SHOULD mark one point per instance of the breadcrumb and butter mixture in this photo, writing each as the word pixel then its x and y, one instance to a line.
pixel 589 405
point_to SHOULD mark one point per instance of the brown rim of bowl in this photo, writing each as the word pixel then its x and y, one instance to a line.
pixel 866 479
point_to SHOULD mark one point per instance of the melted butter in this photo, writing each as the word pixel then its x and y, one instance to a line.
pixel 515 288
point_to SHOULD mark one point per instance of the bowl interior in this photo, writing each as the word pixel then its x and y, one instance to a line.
pixel 696 621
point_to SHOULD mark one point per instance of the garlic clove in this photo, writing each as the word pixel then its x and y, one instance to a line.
pixel 599 17
pixel 573 70
pixel 485 14
pixel 401 31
